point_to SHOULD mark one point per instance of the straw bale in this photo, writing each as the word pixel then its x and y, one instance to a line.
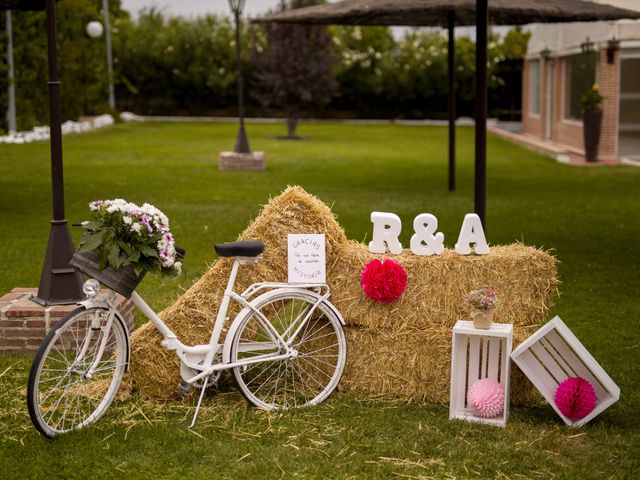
pixel 410 364
pixel 523 277
pixel 379 335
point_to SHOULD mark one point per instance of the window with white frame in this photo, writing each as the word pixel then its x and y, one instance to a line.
pixel 534 87
pixel 579 77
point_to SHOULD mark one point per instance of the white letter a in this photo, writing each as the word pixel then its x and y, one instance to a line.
pixel 472 232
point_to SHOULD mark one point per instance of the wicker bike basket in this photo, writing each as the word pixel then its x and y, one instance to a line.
pixel 124 280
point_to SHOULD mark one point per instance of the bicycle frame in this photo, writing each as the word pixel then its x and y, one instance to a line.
pixel 201 358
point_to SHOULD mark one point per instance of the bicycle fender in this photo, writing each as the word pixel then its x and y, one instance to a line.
pixel 226 350
pixel 92 303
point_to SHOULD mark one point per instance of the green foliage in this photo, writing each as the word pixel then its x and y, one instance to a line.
pixel 360 72
pixel 514 44
pixel 179 65
pixel 592 99
pixel 186 66
pixel 382 76
pixel 417 75
pixel 123 234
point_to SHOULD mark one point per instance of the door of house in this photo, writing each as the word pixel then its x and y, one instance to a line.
pixel 629 124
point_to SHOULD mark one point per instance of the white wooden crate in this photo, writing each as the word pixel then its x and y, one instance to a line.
pixel 478 354
pixel 553 354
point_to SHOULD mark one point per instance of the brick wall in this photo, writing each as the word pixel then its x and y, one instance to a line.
pixel 609 80
pixel 569 132
pixel 24 323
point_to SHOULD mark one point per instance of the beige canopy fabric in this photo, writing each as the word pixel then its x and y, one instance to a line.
pixel 434 12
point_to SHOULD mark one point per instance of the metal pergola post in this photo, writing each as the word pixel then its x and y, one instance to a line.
pixel 480 189
pixel 451 65
pixel 59 282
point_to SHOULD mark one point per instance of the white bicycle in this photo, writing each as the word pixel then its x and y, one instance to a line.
pixel 286 348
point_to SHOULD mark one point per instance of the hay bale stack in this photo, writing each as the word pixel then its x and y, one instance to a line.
pixel 401 349
pixel 405 348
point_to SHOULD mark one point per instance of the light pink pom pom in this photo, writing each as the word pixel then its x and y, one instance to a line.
pixel 486 398
pixel 575 398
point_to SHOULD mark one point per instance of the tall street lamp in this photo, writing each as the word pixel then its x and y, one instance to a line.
pixel 242 158
pixel 242 143
pixel 60 283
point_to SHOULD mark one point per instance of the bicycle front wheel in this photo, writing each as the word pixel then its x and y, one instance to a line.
pixel 307 378
pixel 71 384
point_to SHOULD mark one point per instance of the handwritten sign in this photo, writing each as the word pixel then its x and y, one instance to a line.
pixel 307 261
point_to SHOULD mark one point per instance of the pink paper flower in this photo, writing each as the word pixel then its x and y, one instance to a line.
pixel 383 282
pixel 575 398
pixel 486 398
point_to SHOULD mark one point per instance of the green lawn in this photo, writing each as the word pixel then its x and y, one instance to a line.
pixel 588 216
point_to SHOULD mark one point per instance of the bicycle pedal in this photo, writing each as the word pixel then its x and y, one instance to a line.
pixel 184 388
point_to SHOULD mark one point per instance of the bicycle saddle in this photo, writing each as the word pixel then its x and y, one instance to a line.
pixel 250 248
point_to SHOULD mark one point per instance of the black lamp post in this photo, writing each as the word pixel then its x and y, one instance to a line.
pixel 60 283
pixel 242 143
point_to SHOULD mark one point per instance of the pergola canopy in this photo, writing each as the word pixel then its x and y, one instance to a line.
pixel 434 12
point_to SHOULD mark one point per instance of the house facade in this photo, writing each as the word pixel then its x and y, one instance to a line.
pixel 564 61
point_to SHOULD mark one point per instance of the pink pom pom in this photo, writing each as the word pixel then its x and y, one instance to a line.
pixel 486 398
pixel 383 282
pixel 575 398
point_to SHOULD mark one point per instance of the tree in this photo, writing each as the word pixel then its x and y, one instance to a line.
pixel 294 67
pixel 178 66
pixel 361 73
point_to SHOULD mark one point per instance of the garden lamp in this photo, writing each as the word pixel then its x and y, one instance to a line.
pixel 242 143
pixel 94 29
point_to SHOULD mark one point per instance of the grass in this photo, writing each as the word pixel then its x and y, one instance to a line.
pixel 588 216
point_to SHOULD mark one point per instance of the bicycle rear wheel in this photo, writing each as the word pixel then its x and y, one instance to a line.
pixel 62 395
pixel 305 379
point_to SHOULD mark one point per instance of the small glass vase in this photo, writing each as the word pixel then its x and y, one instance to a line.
pixel 482 318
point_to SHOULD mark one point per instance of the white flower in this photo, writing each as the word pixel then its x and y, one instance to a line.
pixel 127 219
pixel 136 227
pixel 178 267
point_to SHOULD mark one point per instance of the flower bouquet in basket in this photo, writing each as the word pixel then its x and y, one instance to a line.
pixel 482 302
pixel 124 241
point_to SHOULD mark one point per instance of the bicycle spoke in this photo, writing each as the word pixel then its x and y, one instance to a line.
pixel 314 334
pixel 321 349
